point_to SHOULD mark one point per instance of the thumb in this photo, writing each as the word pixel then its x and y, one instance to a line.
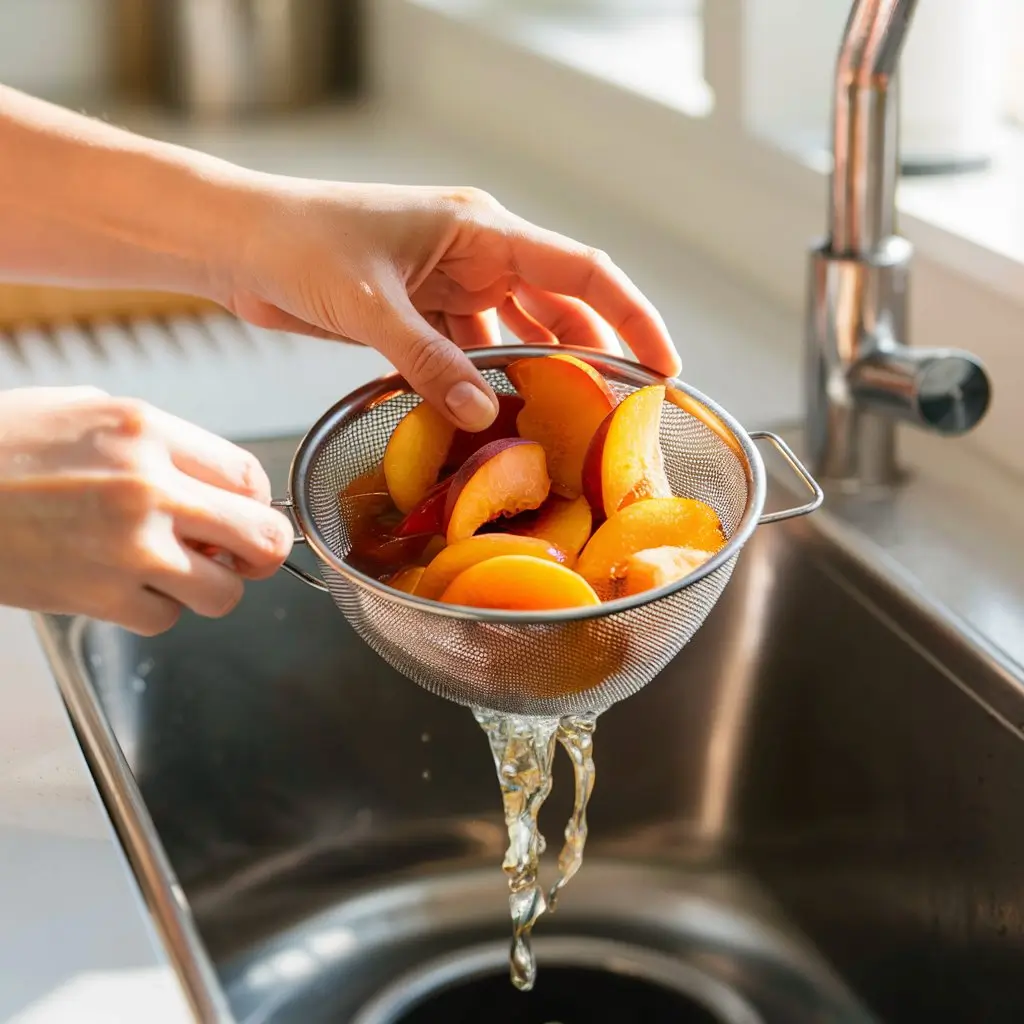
pixel 438 370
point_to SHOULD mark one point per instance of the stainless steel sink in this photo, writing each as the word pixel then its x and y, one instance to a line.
pixel 810 816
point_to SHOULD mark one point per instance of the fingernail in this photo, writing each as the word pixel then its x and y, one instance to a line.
pixel 470 406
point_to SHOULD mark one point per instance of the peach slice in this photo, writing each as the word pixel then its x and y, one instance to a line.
pixel 565 402
pixel 434 547
pixel 566 522
pixel 520 583
pixel 428 516
pixel 407 579
pixel 458 557
pixel 416 451
pixel 655 567
pixel 656 523
pixel 624 462
pixel 502 479
pixel 464 444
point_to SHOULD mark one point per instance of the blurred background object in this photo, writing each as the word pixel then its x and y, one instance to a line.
pixel 219 59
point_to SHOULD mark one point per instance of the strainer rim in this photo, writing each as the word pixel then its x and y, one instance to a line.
pixel 386 387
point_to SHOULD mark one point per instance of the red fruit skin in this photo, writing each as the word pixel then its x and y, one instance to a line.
pixel 472 465
pixel 428 516
pixel 466 444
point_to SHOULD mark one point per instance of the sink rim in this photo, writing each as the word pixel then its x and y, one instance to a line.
pixel 618 957
pixel 854 562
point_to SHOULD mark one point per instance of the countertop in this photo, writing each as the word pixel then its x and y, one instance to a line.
pixel 73 929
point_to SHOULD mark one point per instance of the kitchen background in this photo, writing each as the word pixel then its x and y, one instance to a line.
pixel 681 137
pixel 593 116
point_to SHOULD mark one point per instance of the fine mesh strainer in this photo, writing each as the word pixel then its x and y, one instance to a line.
pixel 527 663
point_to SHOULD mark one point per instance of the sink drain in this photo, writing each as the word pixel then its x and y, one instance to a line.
pixel 579 980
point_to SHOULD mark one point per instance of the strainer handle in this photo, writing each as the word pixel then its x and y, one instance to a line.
pixel 818 495
pixel 285 504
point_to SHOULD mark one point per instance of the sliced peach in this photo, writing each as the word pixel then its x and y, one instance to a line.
pixel 407 579
pixel 458 557
pixel 656 567
pixel 415 454
pixel 658 522
pixel 624 462
pixel 566 522
pixel 565 402
pixel 464 444
pixel 502 479
pixel 520 583
pixel 428 516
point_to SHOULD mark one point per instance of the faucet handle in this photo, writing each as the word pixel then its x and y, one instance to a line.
pixel 945 391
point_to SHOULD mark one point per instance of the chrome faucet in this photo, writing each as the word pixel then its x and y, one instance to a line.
pixel 862 378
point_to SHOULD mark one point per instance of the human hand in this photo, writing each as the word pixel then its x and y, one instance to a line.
pixel 107 507
pixel 421 273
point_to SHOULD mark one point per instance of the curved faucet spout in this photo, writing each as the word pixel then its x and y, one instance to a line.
pixel 861 376
pixel 865 126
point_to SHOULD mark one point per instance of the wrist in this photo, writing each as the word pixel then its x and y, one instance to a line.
pixel 87 204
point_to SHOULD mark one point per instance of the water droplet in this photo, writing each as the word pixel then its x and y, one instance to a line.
pixel 145 667
pixel 280 614
pixel 425 738
pixel 138 684
pixel 426 774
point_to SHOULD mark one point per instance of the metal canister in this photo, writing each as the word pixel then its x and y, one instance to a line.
pixel 221 59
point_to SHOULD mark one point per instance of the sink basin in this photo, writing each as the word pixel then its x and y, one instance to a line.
pixel 809 816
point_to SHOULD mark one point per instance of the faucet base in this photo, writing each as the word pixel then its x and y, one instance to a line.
pixel 855 315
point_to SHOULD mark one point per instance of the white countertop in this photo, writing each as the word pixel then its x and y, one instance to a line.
pixel 73 929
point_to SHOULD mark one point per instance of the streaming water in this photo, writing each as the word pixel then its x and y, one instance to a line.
pixel 523 751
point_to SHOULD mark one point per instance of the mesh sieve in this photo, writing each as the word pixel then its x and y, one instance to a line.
pixel 533 664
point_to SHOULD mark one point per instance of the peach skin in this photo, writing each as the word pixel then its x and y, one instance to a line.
pixel 428 516
pixel 464 444
pixel 502 479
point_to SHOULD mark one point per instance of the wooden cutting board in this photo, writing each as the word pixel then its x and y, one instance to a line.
pixel 41 305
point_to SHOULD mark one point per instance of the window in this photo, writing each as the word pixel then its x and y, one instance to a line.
pixel 711 121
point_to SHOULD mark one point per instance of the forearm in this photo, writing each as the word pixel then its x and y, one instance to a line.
pixel 85 203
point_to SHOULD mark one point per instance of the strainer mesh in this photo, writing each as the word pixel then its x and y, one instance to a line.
pixel 555 668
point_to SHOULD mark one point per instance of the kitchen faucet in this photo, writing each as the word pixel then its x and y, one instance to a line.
pixel 862 377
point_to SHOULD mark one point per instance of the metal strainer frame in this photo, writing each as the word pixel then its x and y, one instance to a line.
pixel 349 584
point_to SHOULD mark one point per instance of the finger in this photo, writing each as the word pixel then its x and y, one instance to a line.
pixel 207 587
pixel 209 458
pixel 558 264
pixel 569 320
pixel 479 330
pixel 258 537
pixel 522 325
pixel 147 613
pixel 436 368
